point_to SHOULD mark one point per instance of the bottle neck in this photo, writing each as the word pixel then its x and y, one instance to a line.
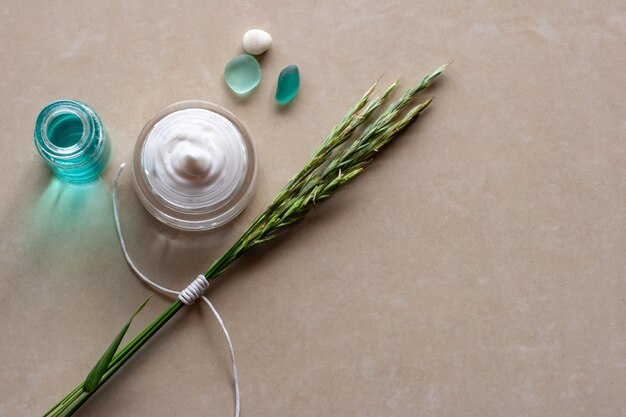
pixel 70 138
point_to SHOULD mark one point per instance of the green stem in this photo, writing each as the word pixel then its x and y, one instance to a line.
pixel 73 401
pixel 135 345
pixel 68 399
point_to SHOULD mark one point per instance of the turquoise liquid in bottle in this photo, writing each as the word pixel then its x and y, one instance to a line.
pixel 71 139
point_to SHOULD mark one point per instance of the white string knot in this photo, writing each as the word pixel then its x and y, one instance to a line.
pixel 194 290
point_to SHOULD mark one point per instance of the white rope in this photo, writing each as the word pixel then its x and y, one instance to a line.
pixel 194 290
pixel 188 296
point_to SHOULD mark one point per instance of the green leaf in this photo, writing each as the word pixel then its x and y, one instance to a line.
pixel 94 377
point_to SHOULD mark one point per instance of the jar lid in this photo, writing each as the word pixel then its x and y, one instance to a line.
pixel 194 166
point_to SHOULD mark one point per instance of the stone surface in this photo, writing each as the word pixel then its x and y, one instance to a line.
pixel 256 41
pixel 288 84
pixel 242 73
pixel 476 270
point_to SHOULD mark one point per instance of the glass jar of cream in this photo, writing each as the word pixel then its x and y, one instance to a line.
pixel 71 139
pixel 194 166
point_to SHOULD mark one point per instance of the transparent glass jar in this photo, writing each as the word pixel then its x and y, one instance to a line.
pixel 71 139
pixel 211 191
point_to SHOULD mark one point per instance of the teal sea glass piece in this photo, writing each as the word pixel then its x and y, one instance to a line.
pixel 288 84
pixel 242 73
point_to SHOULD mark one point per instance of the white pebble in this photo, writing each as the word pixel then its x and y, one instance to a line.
pixel 256 41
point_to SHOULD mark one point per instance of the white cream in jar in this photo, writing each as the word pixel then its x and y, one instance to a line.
pixel 195 166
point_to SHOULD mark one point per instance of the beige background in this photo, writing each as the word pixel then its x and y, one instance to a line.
pixel 476 270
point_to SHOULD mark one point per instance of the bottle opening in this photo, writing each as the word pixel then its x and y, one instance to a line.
pixel 70 138
pixel 65 130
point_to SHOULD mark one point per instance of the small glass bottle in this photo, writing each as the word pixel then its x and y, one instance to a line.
pixel 71 139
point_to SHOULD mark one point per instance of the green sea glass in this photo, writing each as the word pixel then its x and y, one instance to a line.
pixel 288 84
pixel 242 73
